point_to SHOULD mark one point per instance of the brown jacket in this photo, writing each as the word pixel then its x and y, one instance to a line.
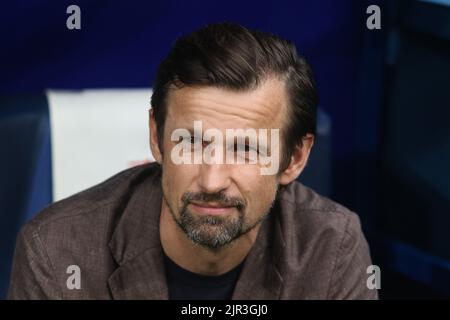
pixel 308 248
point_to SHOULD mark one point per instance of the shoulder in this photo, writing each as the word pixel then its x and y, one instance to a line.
pixel 75 231
pixel 91 209
pixel 323 247
pixel 306 209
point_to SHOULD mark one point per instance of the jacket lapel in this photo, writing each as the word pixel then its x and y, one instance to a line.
pixel 141 278
pixel 136 247
pixel 261 278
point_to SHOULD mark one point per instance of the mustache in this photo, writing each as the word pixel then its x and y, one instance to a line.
pixel 219 197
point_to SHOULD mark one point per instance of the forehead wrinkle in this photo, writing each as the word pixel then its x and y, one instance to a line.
pixel 234 115
pixel 202 104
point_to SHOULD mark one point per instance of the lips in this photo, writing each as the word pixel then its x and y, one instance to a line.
pixel 211 208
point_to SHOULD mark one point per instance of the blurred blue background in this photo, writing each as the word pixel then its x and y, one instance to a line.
pixel 384 129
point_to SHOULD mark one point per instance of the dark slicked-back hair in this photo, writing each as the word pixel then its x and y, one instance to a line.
pixel 227 55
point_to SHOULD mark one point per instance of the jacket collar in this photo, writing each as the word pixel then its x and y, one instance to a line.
pixel 261 278
pixel 135 243
pixel 136 247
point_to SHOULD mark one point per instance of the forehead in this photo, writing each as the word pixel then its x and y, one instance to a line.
pixel 263 107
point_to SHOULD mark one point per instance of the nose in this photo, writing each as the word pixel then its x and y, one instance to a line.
pixel 214 177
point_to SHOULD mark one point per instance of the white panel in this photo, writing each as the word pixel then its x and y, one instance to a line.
pixel 95 134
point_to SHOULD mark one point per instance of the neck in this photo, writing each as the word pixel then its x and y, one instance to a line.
pixel 195 258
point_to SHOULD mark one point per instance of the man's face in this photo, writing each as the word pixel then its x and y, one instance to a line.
pixel 216 203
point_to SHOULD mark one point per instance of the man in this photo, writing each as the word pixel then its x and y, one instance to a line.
pixel 197 224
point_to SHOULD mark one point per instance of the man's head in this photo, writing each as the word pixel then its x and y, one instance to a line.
pixel 229 77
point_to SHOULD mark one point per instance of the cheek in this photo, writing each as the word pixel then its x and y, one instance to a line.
pixel 172 182
pixel 260 190
pixel 177 179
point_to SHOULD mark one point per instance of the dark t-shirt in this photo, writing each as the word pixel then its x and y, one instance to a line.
pixel 183 284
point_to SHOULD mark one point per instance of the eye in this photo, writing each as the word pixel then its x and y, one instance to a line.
pixel 245 148
pixel 197 143
pixel 194 140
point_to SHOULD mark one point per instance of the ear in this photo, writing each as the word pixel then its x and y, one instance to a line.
pixel 298 160
pixel 154 146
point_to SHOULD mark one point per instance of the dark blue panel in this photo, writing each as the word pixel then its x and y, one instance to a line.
pixel 25 169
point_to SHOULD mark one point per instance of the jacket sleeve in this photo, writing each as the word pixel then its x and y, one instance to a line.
pixel 349 279
pixel 32 275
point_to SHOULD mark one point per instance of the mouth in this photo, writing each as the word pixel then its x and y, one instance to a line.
pixel 211 208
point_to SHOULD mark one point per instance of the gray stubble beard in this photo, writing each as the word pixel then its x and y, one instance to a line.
pixel 210 232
